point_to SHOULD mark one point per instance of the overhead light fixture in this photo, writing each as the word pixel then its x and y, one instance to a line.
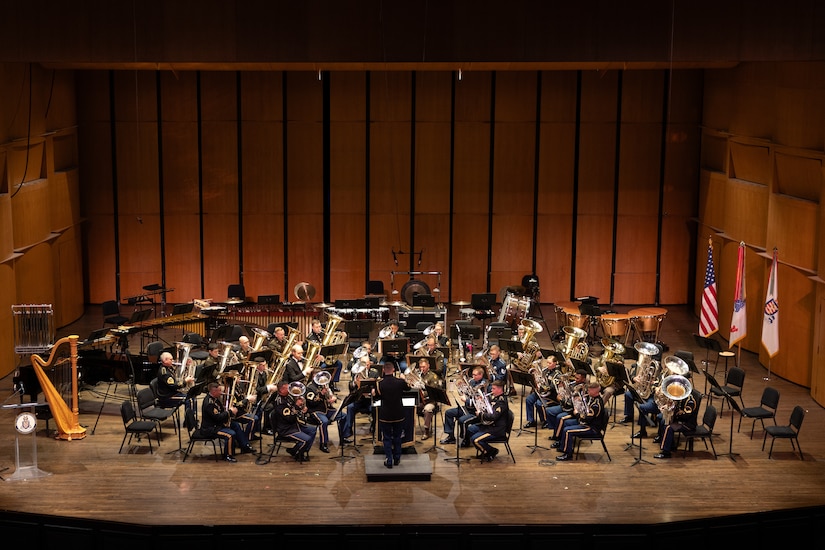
pixel 459 74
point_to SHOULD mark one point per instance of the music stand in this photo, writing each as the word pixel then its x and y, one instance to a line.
pixel 708 344
pixel 438 395
pixel 733 407
pixel 638 400
pixel 619 374
pixel 397 346
pixel 458 458
pixel 351 397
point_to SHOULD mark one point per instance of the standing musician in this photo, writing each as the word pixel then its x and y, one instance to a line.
pixel 684 419
pixel 294 369
pixel 465 412
pixel 170 394
pixel 427 406
pixel 320 402
pixel 541 398
pixel 391 415
pixel 287 414
pixel 217 421
pixel 589 421
pixel 491 425
pixel 558 415
pixel 346 422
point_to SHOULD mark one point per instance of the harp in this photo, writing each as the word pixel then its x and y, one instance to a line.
pixel 65 375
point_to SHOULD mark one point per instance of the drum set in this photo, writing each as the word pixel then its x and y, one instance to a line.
pixel 637 325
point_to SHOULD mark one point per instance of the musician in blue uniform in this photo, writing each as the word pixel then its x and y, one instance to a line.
pixel 465 412
pixel 492 423
pixel 589 420
pixel 288 421
pixel 684 419
pixel 540 398
pixel 171 394
pixel 498 368
pixel 561 414
pixel 217 420
pixel 319 401
pixel 391 414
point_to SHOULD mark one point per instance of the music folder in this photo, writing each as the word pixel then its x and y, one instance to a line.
pixel 438 395
pixel 512 347
pixel 522 378
pixel 617 371
pixel 394 345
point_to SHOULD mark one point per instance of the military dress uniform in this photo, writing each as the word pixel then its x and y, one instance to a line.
pixel 319 412
pixel 492 426
pixel 589 423
pixel 287 425
pixel 217 421
pixel 685 418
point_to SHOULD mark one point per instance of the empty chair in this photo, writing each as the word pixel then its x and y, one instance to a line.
pixel 153 350
pixel 236 294
pixel 134 427
pixel 111 313
pixel 766 409
pixel 375 287
pixel 791 431
pixel 703 431
pixel 733 387
pixel 149 410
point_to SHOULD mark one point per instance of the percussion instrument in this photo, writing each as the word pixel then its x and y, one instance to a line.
pixel 561 309
pixel 576 319
pixel 466 313
pixel 647 322
pixel 616 326
pixel 381 314
pixel 514 309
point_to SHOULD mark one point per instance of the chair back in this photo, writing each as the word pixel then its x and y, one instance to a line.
pixel 709 418
pixel 190 421
pixel 110 307
pixel 797 416
pixel 153 385
pixel 511 417
pixel 145 399
pixel 127 413
pixel 770 398
pixel 736 377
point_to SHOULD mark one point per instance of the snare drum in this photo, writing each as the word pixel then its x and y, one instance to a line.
pixel 647 321
pixel 616 326
pixel 466 313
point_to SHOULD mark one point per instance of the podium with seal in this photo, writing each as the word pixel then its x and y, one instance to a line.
pixel 25 425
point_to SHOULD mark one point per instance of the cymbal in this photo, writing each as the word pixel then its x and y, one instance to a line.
pixel 322 305
pixel 461 303
pixel 397 303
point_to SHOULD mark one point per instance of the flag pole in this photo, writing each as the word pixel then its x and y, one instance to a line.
pixel 768 377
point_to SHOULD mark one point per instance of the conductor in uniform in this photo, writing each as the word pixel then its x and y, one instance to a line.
pixel 391 413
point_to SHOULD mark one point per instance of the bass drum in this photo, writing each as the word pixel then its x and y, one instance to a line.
pixel 412 288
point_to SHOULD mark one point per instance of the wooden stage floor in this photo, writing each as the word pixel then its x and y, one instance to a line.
pixel 90 481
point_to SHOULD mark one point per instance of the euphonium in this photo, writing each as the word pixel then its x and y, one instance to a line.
pixel 613 352
pixel 672 390
pixel 541 381
pixel 482 404
pixel 329 338
pixel 260 337
pixel 574 346
pixel 225 354
pixel 532 350
pixel 647 369
pixel 183 370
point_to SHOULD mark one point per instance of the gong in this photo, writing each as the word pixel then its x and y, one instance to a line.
pixel 413 287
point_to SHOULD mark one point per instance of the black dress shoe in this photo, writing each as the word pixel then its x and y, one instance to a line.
pixel 247 449
pixel 564 457
pixel 625 420
pixel 292 451
pixel 494 452
pixel 657 439
pixel 447 440
pixel 346 441
pixel 396 461
pixel 555 445
pixel 388 464
pixel 230 458
pixel 530 425
pixel 305 457
pixel 662 455
pixel 324 449
pixel 255 438
pixel 641 434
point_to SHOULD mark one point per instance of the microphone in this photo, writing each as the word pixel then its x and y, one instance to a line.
pixel 21 389
pixel 394 257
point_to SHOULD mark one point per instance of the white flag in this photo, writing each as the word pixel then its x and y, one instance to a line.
pixel 739 320
pixel 770 321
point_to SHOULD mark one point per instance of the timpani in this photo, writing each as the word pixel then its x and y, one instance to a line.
pixel 616 326
pixel 647 321
pixel 562 310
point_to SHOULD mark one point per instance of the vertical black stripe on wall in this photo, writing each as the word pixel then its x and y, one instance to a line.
pixel 662 172
pixel 239 131
pixel 200 176
pixel 284 173
pixel 616 170
pixel 161 200
pixel 452 184
pixel 536 172
pixel 325 153
pixel 367 173
pixel 113 152
pixel 412 173
pixel 576 157
pixel 490 177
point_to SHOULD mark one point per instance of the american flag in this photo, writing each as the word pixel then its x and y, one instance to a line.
pixel 709 316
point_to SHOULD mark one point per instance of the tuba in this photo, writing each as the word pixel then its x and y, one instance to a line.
pixel 183 370
pixel 674 388
pixel 532 350
pixel 647 369
pixel 226 353
pixel 329 338
pixel 574 345
pixel 613 352
pixel 280 361
pixel 261 336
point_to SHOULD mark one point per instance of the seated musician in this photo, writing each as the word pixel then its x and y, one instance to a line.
pixel 430 349
pixel 171 393
pixel 217 420
pixel 208 370
pixel 558 415
pixel 320 402
pixel 498 368
pixel 278 341
pixel 427 406
pixel 294 369
pixel 684 418
pixel 589 421
pixel 244 401
pixel 368 370
pixel 397 358
pixel 288 415
pixel 540 398
pixel 316 333
pixel 465 412
pixel 263 390
pixel 244 352
pixel 491 424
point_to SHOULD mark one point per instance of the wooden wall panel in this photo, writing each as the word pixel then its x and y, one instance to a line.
pixel 746 209
pixel 798 176
pixel 183 258
pixel 750 162
pixel 752 113
pixel 712 194
pixel 8 358
pixel 433 96
pixel 6 228
pixel 100 272
pixel 68 277
pixel 28 229
pixel 61 151
pixel 788 219
pixel 35 275
pixel 140 257
pixel 64 199
pixel 516 96
pixel 799 99
pixel 220 253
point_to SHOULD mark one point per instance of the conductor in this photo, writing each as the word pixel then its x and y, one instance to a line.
pixel 391 413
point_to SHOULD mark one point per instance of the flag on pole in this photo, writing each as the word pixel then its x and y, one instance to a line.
pixel 739 321
pixel 709 315
pixel 770 321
